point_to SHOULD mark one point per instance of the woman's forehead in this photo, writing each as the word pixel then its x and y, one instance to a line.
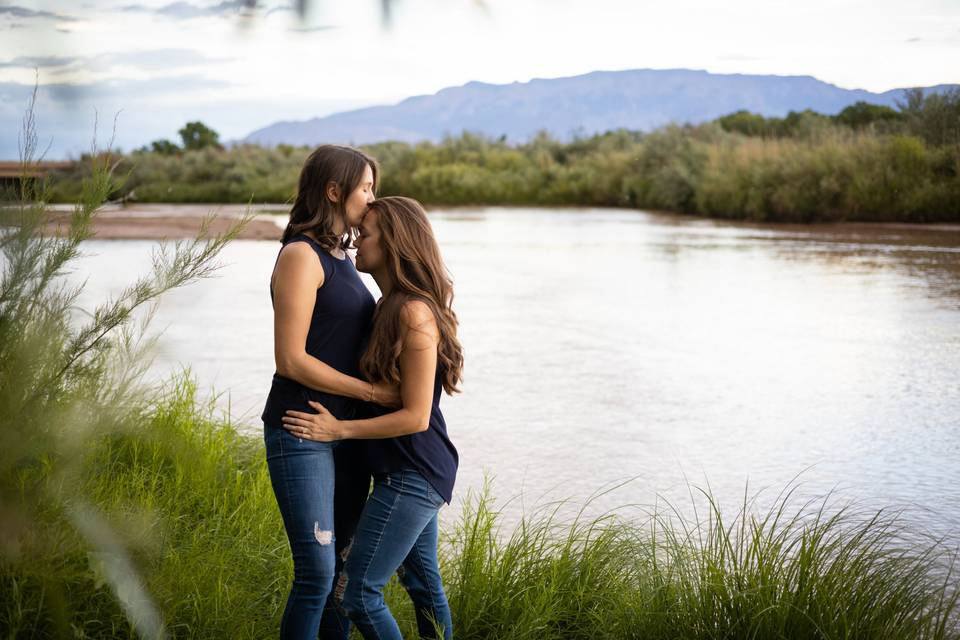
pixel 369 220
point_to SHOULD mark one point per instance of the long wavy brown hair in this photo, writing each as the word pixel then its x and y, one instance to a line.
pixel 313 210
pixel 413 261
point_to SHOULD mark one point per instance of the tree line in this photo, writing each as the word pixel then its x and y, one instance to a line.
pixel 866 163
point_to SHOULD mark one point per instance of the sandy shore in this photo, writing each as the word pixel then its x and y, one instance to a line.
pixel 175 221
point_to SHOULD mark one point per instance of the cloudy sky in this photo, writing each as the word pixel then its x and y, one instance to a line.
pixel 154 65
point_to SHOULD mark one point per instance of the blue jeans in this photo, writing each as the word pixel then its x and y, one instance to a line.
pixel 397 532
pixel 302 475
pixel 350 494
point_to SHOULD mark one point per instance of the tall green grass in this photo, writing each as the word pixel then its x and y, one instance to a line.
pixel 192 498
pixel 69 377
pixel 790 571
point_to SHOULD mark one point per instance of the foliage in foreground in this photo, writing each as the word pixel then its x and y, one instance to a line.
pixel 193 499
pixel 192 502
pixel 794 571
pixel 69 377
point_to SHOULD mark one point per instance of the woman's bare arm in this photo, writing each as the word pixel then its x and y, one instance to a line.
pixel 418 367
pixel 296 278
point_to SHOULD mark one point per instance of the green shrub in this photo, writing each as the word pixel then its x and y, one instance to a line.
pixel 862 165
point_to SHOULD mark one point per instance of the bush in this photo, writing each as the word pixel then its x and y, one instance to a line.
pixel 805 167
pixel 66 381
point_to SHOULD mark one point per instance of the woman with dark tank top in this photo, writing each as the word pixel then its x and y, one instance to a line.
pixel 414 343
pixel 322 315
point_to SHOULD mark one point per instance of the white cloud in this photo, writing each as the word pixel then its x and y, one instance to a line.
pixel 25 13
pixel 38 62
pixel 188 10
pixel 152 60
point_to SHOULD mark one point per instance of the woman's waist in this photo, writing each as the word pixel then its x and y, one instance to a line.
pixel 288 394
pixel 440 472
pixel 431 446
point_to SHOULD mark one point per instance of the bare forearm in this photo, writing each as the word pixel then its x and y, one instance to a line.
pixel 418 366
pixel 316 374
pixel 398 423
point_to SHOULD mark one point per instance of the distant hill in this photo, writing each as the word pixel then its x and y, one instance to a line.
pixel 641 99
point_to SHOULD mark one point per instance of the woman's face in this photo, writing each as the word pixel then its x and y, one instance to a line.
pixel 370 256
pixel 358 201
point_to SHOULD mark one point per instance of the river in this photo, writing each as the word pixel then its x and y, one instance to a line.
pixel 610 345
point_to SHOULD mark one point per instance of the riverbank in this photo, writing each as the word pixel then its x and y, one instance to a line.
pixel 192 501
pixel 157 221
pixel 161 221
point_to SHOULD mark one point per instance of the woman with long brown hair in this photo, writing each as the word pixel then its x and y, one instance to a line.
pixel 322 313
pixel 413 343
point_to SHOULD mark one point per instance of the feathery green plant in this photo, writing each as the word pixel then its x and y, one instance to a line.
pixel 67 381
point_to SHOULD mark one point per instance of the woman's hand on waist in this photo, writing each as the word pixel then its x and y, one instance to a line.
pixel 321 426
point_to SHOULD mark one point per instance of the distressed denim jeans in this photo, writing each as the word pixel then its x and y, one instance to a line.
pixel 302 475
pixel 397 532
pixel 350 494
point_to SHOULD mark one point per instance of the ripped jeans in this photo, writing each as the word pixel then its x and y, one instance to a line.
pixel 397 532
pixel 302 475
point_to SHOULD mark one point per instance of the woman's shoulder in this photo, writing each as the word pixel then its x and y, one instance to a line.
pixel 298 256
pixel 416 313
pixel 298 249
pixel 414 310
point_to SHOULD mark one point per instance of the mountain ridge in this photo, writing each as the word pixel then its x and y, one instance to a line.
pixel 585 104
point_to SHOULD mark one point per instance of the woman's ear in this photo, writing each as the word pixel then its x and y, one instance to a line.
pixel 333 191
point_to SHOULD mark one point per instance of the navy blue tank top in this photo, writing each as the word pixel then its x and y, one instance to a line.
pixel 430 452
pixel 342 313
